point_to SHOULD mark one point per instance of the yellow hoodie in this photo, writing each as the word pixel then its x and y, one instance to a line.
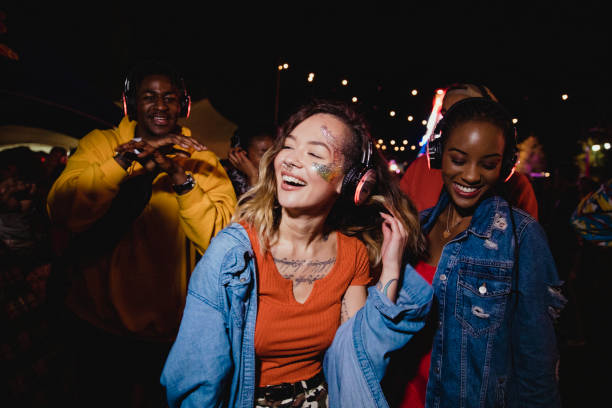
pixel 140 287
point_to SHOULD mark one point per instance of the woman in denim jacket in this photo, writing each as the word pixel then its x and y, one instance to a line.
pixel 279 311
pixel 496 289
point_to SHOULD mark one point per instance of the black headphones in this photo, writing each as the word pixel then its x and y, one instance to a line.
pixel 359 182
pixel 130 85
pixel 510 156
pixel 235 139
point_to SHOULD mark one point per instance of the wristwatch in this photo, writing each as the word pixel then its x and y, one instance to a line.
pixel 186 186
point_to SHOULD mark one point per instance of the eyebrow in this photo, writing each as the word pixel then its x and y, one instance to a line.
pixel 462 152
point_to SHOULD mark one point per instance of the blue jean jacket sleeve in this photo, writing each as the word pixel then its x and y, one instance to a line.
pixel 539 304
pixel 356 362
pixel 199 365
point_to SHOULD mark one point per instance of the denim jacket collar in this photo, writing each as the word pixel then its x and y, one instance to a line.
pixel 483 220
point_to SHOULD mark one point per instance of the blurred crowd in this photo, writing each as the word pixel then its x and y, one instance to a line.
pixel 28 355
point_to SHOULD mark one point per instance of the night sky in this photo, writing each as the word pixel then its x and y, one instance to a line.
pixel 528 56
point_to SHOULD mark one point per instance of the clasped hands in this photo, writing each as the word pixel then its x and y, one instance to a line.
pixel 155 154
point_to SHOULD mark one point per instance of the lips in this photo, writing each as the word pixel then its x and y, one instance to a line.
pixel 291 182
pixel 466 191
pixel 161 120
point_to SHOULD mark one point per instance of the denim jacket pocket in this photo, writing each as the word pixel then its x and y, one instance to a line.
pixel 481 297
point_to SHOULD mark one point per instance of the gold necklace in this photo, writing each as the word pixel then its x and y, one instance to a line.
pixel 446 233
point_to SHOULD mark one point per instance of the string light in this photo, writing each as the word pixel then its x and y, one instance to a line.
pixel 411 118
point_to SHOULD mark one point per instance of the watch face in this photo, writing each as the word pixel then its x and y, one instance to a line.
pixel 186 186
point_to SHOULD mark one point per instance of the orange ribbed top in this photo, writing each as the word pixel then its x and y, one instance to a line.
pixel 291 337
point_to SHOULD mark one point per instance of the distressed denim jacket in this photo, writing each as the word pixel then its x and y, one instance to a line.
pixel 212 361
pixel 495 307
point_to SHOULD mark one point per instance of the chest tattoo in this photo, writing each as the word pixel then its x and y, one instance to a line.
pixel 303 271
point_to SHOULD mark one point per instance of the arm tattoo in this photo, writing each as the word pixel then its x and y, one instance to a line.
pixel 303 271
pixel 386 288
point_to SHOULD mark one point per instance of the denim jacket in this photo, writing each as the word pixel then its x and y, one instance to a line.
pixel 495 345
pixel 212 361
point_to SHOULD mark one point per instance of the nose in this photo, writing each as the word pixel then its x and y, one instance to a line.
pixel 160 103
pixel 292 160
pixel 471 175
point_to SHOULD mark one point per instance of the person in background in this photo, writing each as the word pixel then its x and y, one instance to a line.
pixel 423 184
pixel 491 338
pixel 248 145
pixel 276 312
pixel 138 201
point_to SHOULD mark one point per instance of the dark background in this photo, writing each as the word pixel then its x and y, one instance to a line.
pixel 73 59
pixel 77 55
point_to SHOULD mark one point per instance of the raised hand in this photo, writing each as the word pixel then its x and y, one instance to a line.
pixel 239 159
pixel 394 243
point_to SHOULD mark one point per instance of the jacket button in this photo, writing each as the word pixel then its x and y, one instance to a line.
pixel 242 279
pixel 443 277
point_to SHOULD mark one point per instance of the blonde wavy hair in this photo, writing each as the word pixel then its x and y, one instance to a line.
pixel 259 206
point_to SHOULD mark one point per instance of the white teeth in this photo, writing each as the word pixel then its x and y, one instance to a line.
pixel 293 180
pixel 466 189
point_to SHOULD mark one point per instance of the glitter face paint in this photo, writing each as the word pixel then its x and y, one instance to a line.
pixel 329 172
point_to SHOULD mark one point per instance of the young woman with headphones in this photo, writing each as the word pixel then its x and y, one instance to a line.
pixel 280 310
pixel 490 341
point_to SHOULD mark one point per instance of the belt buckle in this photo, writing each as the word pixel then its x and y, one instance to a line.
pixel 280 392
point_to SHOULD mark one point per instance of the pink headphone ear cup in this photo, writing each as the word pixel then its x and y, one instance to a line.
pixel 125 109
pixel 188 107
pixel 364 187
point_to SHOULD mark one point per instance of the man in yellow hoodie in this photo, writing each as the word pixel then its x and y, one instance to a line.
pixel 139 200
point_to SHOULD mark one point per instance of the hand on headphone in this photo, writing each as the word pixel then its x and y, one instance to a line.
pixel 239 159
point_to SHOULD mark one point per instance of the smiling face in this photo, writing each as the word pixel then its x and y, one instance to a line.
pixel 157 107
pixel 471 162
pixel 308 169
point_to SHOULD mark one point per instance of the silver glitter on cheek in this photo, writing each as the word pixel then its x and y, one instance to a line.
pixel 326 172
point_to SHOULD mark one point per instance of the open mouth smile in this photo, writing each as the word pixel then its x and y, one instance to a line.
pixel 466 191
